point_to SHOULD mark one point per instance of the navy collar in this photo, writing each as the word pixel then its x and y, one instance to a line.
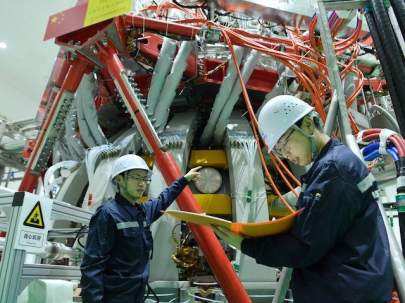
pixel 122 200
pixel 328 146
pixel 325 149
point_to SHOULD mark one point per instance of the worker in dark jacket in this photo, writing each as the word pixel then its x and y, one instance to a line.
pixel 115 267
pixel 338 245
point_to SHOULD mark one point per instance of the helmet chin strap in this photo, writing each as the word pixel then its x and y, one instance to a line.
pixel 311 138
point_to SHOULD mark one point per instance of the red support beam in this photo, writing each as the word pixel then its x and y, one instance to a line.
pixel 212 249
pixel 71 83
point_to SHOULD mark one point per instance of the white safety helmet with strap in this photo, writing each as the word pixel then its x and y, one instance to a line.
pixel 126 163
pixel 278 115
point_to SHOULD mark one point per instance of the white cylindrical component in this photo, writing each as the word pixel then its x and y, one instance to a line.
pixel 57 251
pixel 53 250
pixel 99 162
pixel 100 185
pixel 363 109
pixel 14 145
pixel 90 131
pixel 397 259
pixel 162 68
pixel 70 165
pixel 91 158
pixel 236 90
pixel 222 96
pixel 60 151
pixel 172 81
pixel 376 109
pixel 210 180
pixel 84 92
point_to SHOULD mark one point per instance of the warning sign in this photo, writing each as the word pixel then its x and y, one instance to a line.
pixel 34 223
pixel 35 218
pixel 31 239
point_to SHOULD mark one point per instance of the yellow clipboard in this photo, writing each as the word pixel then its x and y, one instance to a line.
pixel 253 230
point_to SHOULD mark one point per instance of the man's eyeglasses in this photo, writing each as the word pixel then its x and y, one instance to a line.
pixel 280 147
pixel 139 179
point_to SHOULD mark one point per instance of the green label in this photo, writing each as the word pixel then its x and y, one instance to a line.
pixel 249 196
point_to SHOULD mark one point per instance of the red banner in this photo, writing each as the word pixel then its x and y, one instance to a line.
pixel 66 21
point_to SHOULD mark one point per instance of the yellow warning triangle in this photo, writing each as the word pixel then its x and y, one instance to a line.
pixel 35 218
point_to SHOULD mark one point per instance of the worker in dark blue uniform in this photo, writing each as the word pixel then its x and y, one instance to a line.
pixel 115 267
pixel 338 246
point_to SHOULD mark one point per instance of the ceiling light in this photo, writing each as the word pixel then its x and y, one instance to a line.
pixel 3 45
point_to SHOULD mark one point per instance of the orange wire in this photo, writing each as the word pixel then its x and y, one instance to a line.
pixel 304 77
pixel 302 57
pixel 310 70
pixel 254 124
pixel 290 174
pixel 291 188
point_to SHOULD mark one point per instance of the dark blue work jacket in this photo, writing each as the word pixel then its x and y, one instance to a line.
pixel 115 266
pixel 338 245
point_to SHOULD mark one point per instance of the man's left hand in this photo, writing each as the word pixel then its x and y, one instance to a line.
pixel 229 237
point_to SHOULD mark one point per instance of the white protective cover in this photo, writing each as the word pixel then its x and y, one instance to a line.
pixel 50 291
pixel 278 115
pixel 128 162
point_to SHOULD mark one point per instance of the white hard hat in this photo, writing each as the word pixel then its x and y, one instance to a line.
pixel 278 115
pixel 126 163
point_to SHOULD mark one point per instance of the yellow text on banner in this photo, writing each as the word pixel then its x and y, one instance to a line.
pixel 100 10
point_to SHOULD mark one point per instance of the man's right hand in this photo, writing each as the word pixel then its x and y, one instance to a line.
pixel 193 174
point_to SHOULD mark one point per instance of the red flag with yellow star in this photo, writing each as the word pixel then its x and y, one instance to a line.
pixel 66 21
pixel 85 14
